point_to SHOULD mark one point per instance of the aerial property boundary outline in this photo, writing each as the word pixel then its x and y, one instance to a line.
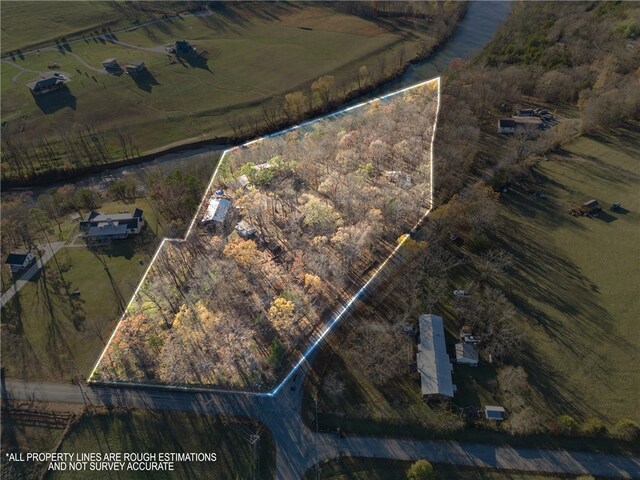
pixel 344 310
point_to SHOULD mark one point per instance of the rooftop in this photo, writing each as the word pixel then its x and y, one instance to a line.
pixel 217 209
pixel 433 361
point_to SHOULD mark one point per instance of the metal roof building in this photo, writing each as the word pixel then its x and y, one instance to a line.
pixel 216 210
pixel 433 361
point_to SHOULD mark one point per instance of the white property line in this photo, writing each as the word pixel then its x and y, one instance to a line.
pixel 344 309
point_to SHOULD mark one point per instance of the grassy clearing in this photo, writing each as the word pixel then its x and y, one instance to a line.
pixel 57 325
pixel 576 278
pixel 253 56
pixel 28 23
pixel 349 468
pixel 141 432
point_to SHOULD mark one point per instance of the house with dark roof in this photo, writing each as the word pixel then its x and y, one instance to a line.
pixel 48 82
pixel 20 260
pixel 100 227
pixel 182 47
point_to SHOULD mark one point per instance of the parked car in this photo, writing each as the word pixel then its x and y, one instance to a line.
pixel 460 293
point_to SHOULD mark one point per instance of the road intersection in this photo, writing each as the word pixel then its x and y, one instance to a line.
pixel 298 448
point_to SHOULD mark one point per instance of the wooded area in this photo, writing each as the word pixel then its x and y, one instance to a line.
pixel 327 202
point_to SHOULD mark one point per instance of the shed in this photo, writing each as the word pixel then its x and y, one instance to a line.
pixel 110 64
pixel 433 361
pixel 245 229
pixel 217 210
pixel 506 125
pixel 467 354
pixel 492 412
pixel 135 68
pixel 590 206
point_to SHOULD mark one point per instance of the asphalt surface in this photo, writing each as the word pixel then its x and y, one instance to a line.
pixel 298 448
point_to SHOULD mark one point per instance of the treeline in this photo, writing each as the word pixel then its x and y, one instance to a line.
pixel 81 148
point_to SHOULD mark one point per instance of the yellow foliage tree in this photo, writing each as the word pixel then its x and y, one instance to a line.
pixel 412 245
pixel 282 313
pixel 245 252
pixel 312 283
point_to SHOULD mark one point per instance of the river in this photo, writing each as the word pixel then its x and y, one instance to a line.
pixel 481 21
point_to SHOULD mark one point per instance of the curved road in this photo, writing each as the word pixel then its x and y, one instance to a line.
pixel 298 448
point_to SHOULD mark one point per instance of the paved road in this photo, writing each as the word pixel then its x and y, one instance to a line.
pixel 49 251
pixel 298 448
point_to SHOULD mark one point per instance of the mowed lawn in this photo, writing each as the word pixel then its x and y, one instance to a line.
pixel 356 468
pixel 145 432
pixel 30 23
pixel 57 324
pixel 577 278
pixel 253 55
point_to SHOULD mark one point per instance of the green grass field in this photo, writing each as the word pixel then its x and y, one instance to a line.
pixel 252 56
pixel 577 278
pixel 140 432
pixel 55 19
pixel 57 325
pixel 350 468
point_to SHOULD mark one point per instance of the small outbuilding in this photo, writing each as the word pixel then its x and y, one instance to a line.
pixel 135 68
pixel 492 412
pixel 110 64
pixel 245 230
pixel 590 206
pixel 506 125
pixel 467 354
pixel 20 260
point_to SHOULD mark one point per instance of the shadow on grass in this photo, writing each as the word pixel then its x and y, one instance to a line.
pixel 57 100
pixel 145 80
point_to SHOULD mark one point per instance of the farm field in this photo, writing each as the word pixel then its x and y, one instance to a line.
pixel 355 468
pixel 252 56
pixel 25 24
pixel 176 432
pixel 576 278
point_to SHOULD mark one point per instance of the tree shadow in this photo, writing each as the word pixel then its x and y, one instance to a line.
pixel 53 101
pixel 145 80
pixel 195 60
